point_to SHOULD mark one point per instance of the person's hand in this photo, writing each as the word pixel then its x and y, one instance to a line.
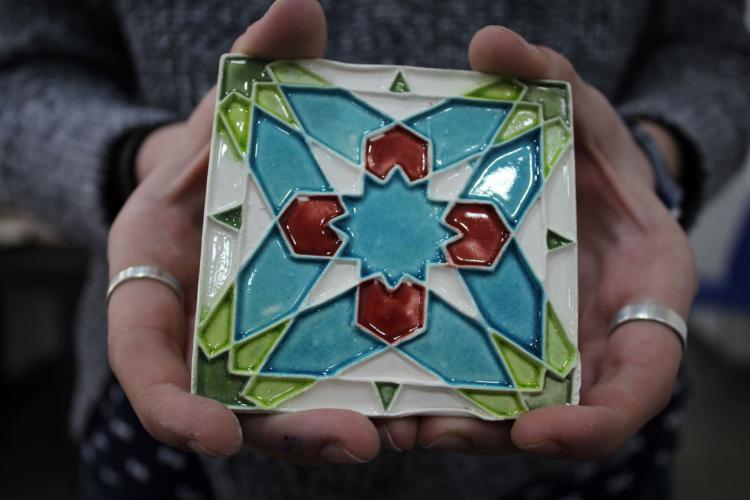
pixel 630 249
pixel 150 330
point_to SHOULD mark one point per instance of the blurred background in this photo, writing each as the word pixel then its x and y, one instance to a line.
pixel 40 278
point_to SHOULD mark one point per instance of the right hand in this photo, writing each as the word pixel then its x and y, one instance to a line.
pixel 150 330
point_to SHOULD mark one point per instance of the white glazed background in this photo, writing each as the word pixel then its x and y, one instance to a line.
pixel 225 249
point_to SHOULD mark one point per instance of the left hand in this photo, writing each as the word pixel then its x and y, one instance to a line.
pixel 630 249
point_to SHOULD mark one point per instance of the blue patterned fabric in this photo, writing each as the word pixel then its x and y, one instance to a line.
pixel 120 461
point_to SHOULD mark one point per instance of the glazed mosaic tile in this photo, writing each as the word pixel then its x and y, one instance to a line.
pixel 392 240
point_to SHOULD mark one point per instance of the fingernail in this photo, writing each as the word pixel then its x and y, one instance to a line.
pixel 385 437
pixel 548 448
pixel 336 454
pixel 513 34
pixel 450 442
pixel 196 447
pixel 240 438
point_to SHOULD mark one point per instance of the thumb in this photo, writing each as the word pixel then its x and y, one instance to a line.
pixel 495 49
pixel 289 29
pixel 600 133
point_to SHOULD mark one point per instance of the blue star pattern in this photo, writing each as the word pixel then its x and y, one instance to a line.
pixel 394 208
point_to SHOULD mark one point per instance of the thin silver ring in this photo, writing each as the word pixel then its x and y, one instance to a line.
pixel 145 272
pixel 651 311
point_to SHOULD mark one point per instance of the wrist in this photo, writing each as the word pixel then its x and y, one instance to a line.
pixel 668 145
pixel 662 158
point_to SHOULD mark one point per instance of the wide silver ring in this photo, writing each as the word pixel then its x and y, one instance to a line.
pixel 145 272
pixel 651 311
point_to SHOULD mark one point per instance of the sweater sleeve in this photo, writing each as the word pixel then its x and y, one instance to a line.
pixel 67 99
pixel 693 76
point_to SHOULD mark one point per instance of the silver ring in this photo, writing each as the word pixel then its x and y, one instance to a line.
pixel 651 311
pixel 145 272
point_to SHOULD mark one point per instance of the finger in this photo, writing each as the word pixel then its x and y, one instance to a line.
pixel 639 368
pixel 465 435
pixel 398 434
pixel 148 332
pixel 315 436
pixel 183 188
pixel 289 29
pixel 146 344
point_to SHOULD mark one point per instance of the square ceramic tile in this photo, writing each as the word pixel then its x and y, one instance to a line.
pixel 387 239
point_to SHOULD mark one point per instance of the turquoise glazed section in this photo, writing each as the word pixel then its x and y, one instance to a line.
pixel 322 341
pixel 271 285
pixel 510 176
pixel 457 349
pixel 511 299
pixel 335 118
pixel 382 216
pixel 459 128
pixel 281 161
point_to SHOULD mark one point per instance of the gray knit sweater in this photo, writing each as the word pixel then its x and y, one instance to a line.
pixel 76 77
